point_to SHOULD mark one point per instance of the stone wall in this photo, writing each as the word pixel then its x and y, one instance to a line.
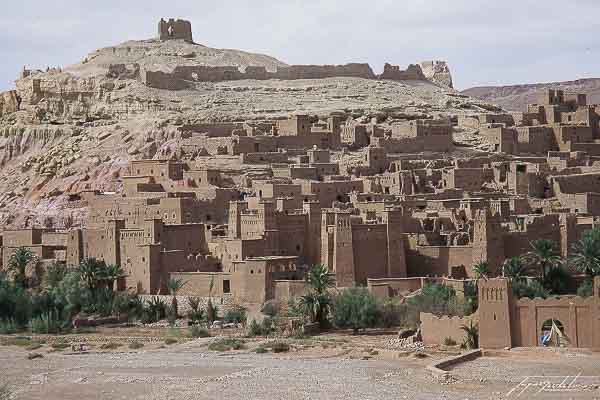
pixel 183 77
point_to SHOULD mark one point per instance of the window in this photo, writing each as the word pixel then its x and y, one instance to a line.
pixel 226 286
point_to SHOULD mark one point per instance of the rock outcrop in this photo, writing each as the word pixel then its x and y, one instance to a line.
pixel 437 72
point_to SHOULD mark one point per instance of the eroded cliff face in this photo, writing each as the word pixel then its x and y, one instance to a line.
pixel 9 102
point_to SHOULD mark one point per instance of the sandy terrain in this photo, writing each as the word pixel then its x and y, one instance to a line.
pixel 322 368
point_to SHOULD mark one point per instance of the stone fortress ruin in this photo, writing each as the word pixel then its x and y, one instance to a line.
pixel 389 196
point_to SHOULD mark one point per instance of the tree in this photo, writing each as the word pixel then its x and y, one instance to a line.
pixel 481 270
pixel 317 302
pixel 514 269
pixel 542 256
pixel 174 286
pixel 586 253
pixel 356 308
pixel 111 273
pixel 92 271
pixel 18 263
pixel 472 339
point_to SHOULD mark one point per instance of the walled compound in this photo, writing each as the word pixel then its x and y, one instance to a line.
pixel 241 208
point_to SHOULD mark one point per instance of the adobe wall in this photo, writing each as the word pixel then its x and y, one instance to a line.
pixel 438 260
pixel 182 77
pixel 436 143
pixel 579 317
pixel 435 330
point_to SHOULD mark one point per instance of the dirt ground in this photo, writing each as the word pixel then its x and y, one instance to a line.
pixel 325 367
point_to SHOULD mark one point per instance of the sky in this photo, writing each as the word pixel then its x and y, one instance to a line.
pixel 485 42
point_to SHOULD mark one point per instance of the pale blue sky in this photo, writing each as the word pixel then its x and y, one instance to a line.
pixel 485 42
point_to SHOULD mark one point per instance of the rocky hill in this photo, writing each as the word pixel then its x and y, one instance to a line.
pixel 64 131
pixel 516 97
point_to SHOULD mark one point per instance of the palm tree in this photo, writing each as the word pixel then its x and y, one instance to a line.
pixel 18 263
pixel 317 302
pixel 92 271
pixel 586 253
pixel 481 270
pixel 514 269
pixel 542 256
pixel 472 331
pixel 174 286
pixel 112 272
pixel 319 279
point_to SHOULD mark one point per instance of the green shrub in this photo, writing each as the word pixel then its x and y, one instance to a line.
pixel 155 310
pixel 195 314
pixel 136 345
pixel 198 332
pixel 110 346
pixel 8 327
pixel 266 328
pixel 355 308
pixel 49 323
pixel 226 344
pixel 270 308
pixel 449 341
pixel 34 346
pixel 21 341
pixel 586 289
pixel 278 347
pixel 260 350
pixel 170 341
pixel 530 289
pixel 59 345
pixel 236 315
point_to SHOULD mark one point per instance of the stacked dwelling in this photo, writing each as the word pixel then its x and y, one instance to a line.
pixel 247 207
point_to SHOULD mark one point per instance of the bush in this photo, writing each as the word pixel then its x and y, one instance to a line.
pixel 391 313
pixel 110 346
pixel 48 323
pixel 127 304
pixel 440 300
pixel 264 329
pixel 155 310
pixel 170 341
pixel 356 308
pixel 226 344
pixel 196 314
pixel 270 308
pixel 59 345
pixel 135 345
pixel 557 281
pixel 278 347
pixel 586 289
pixel 449 341
pixel 21 341
pixel 198 332
pixel 530 289
pixel 236 315
pixel 8 327
pixel 260 350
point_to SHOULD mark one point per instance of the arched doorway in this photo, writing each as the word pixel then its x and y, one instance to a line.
pixel 552 334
